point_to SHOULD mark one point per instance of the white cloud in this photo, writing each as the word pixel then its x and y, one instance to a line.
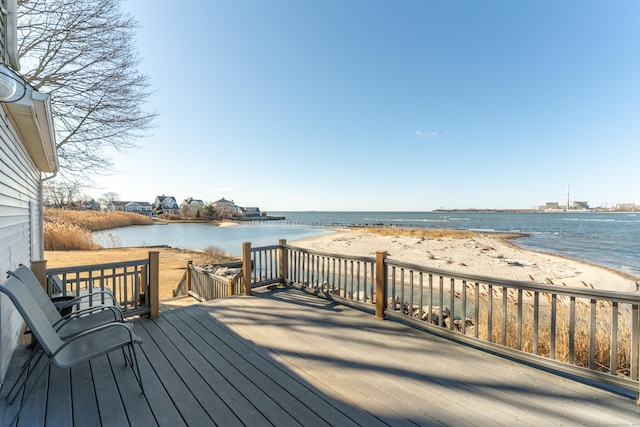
pixel 427 135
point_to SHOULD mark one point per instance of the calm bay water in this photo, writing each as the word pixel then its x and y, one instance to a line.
pixel 200 236
pixel 607 239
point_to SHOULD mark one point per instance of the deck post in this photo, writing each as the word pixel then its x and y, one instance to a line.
pixel 381 283
pixel 188 278
pixel 39 269
pixel 283 260
pixel 154 284
pixel 246 267
pixel 230 287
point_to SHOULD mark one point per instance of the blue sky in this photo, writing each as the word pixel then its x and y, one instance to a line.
pixel 388 105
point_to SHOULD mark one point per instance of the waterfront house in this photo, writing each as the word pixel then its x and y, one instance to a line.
pixel 225 208
pixel 250 211
pixel 191 207
pixel 142 208
pixel 165 205
pixel 89 205
pixel 28 157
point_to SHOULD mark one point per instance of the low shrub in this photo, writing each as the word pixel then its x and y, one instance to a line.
pixel 215 254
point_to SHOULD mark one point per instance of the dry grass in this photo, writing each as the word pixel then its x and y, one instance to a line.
pixel 433 233
pixel 59 236
pixel 419 233
pixel 69 229
pixel 94 220
pixel 215 255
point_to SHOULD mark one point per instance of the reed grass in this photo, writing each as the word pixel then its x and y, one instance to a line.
pixel 60 236
pixel 71 230
pixel 94 220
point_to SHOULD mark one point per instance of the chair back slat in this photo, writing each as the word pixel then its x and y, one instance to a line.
pixel 38 293
pixel 32 314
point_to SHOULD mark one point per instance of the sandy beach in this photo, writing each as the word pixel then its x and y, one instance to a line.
pixel 482 254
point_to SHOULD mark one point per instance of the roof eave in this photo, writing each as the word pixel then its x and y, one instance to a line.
pixel 32 118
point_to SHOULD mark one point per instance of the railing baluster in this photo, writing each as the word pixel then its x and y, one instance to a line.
pixel 476 317
pixel 536 320
pixel 635 342
pixel 402 301
pixel 554 315
pixel 463 314
pixel 504 316
pixel 572 330
pixel 613 364
pixel 441 301
pixel 519 322
pixel 430 315
pixel 452 308
pixel 490 313
pixel 592 334
pixel 393 287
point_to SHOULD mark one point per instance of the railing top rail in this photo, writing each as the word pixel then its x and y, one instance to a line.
pixel 212 274
pixel 621 297
pixel 327 254
pixel 92 267
pixel 266 248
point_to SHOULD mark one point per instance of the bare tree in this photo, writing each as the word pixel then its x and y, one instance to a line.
pixel 61 193
pixel 107 198
pixel 82 52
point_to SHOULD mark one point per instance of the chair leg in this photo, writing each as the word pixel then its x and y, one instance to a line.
pixel 28 393
pixel 136 368
pixel 25 369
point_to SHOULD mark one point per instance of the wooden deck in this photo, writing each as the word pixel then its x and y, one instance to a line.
pixel 287 358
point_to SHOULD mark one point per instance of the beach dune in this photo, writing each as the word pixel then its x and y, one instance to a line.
pixel 484 254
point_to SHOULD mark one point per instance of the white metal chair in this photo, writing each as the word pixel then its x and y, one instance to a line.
pixel 80 348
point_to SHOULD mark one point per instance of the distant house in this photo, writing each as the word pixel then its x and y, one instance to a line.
pixel 225 208
pixel 142 208
pixel 89 205
pixel 28 156
pixel 165 205
pixel 250 211
pixel 191 207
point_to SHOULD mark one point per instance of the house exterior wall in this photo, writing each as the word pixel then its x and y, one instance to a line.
pixel 224 208
pixel 20 226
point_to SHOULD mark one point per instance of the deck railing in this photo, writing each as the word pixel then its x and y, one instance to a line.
pixel 585 332
pixel 133 283
pixel 205 285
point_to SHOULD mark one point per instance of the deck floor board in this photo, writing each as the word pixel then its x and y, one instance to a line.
pixel 283 357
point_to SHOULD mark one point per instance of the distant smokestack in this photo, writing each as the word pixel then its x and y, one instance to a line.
pixel 567 196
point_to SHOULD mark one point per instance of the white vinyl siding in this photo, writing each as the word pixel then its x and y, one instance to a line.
pixel 20 232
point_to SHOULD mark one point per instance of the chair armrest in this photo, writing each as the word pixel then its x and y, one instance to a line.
pixel 135 338
pixel 94 294
pixel 117 314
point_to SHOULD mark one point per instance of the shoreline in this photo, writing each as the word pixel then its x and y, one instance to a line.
pixel 479 253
